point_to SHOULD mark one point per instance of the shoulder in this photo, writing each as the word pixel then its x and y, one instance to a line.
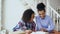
pixel 21 22
pixel 48 17
pixel 37 16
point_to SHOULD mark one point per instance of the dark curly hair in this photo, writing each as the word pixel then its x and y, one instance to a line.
pixel 41 7
pixel 27 15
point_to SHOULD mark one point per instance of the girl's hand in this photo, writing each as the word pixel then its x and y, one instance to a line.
pixel 28 31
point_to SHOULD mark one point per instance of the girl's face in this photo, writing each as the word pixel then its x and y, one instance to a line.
pixel 32 17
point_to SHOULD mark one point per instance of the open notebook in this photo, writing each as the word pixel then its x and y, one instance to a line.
pixel 39 32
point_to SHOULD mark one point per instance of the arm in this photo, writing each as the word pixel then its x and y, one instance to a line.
pixel 51 25
pixel 18 26
pixel 38 25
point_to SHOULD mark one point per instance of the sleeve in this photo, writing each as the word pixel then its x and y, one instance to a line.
pixel 18 26
pixel 38 25
pixel 51 25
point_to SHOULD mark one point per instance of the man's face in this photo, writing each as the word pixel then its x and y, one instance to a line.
pixel 41 13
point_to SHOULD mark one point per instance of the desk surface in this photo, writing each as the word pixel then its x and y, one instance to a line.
pixel 38 32
pixel 55 32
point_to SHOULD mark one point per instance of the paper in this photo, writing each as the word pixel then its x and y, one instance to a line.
pixel 39 32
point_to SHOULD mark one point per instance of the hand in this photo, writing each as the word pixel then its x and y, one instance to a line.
pixel 28 31
pixel 43 29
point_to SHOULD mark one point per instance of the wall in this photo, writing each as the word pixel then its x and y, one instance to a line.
pixel 0 14
pixel 12 12
pixel 55 3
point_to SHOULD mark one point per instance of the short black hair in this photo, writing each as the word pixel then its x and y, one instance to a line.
pixel 41 6
pixel 27 15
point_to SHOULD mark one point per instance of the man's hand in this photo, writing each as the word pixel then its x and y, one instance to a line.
pixel 43 29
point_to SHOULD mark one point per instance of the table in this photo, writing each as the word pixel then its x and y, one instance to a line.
pixel 55 32
pixel 38 32
pixel 18 32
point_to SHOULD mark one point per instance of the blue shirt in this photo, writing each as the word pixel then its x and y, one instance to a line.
pixel 46 23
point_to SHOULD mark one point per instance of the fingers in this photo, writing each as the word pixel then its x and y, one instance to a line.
pixel 28 31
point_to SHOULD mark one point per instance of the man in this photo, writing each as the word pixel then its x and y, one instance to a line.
pixel 43 21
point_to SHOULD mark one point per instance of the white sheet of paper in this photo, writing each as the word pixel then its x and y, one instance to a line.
pixel 39 32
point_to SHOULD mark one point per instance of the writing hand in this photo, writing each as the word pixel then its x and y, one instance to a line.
pixel 43 29
pixel 28 31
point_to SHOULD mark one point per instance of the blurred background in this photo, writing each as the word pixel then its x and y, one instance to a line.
pixel 11 12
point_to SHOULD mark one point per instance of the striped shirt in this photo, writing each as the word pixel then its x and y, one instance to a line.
pixel 25 26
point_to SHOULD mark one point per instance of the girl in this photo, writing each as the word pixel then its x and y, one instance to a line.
pixel 26 23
